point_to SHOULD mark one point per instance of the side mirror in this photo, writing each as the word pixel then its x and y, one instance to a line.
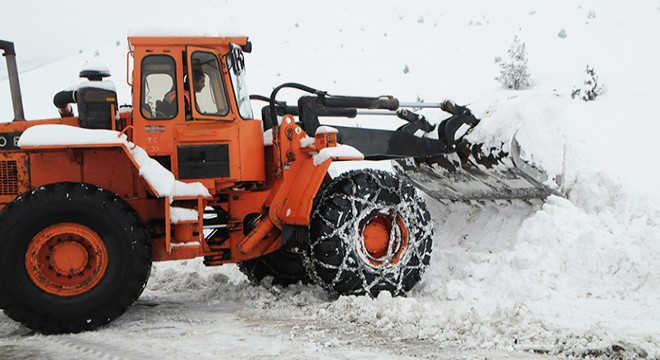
pixel 237 59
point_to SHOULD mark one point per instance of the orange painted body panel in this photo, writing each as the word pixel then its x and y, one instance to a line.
pixel 20 126
pixel 48 167
pixel 251 151
pixel 245 142
pixel 108 168
pixel 298 202
pixel 160 253
pixel 243 203
pixel 149 208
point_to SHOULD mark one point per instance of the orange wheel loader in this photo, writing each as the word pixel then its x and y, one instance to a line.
pixel 89 200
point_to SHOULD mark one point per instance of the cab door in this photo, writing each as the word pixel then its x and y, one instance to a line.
pixel 207 145
pixel 206 81
pixel 158 100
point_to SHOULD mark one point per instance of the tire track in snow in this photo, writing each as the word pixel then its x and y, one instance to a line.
pixel 95 350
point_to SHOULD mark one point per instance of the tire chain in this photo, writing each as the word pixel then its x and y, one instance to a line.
pixel 343 232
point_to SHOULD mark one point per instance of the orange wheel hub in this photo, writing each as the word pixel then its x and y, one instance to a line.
pixel 66 259
pixel 384 238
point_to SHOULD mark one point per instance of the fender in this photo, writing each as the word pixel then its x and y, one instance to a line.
pixel 109 165
pixel 302 170
pixel 300 173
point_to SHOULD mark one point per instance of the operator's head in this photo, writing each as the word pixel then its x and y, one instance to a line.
pixel 199 80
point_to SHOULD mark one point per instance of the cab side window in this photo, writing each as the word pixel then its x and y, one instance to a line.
pixel 158 101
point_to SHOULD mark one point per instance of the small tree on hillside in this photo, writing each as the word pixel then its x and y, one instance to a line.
pixel 514 73
pixel 591 87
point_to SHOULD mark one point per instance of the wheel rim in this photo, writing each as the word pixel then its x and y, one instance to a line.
pixel 384 239
pixel 66 259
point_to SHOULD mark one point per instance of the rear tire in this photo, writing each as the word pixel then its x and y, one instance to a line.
pixel 369 232
pixel 73 257
pixel 285 267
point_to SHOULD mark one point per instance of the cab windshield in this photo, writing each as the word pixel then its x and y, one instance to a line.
pixel 236 64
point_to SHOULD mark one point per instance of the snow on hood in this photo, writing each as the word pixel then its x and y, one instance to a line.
pixel 54 134
pixel 160 179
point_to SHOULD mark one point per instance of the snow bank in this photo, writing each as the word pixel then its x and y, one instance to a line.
pixel 536 119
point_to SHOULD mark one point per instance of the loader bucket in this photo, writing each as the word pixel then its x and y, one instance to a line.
pixel 472 173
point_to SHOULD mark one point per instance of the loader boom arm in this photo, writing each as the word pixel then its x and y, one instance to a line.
pixel 375 144
pixel 446 167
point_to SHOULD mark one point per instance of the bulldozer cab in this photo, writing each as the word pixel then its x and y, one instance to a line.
pixel 193 110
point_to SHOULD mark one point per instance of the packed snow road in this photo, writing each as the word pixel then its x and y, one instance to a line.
pixel 201 329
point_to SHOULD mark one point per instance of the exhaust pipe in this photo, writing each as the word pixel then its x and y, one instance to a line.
pixel 14 86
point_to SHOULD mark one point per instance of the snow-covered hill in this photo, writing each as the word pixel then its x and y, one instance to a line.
pixel 575 276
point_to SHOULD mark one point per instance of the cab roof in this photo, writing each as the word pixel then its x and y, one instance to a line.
pixel 211 41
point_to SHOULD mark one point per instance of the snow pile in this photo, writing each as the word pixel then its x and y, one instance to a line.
pixel 535 118
pixel 560 250
pixel 160 179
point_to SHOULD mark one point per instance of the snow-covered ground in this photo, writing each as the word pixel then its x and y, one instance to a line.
pixel 570 277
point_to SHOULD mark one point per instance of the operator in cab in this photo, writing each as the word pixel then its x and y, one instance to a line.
pixel 168 104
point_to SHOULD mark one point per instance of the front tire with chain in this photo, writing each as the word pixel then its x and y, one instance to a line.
pixel 369 232
pixel 73 257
